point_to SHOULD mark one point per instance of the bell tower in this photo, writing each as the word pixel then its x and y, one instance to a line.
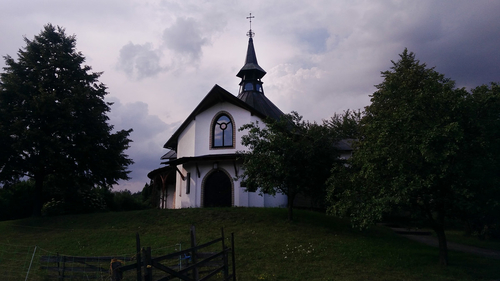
pixel 251 90
pixel 251 73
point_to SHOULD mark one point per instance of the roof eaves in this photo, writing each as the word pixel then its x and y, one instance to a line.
pixel 209 157
pixel 215 95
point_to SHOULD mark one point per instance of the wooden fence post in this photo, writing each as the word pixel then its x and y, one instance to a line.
pixel 193 253
pixel 232 254
pixel 138 256
pixel 224 255
pixel 63 266
pixel 148 269
pixel 116 275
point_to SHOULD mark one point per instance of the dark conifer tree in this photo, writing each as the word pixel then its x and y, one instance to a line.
pixel 53 118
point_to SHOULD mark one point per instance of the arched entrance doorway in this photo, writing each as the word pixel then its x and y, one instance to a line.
pixel 217 190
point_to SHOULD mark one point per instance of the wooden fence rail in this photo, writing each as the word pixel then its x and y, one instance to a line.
pixel 198 264
pixel 75 267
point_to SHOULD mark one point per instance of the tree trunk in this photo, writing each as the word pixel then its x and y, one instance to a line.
pixel 443 247
pixel 290 199
pixel 37 196
pixel 438 227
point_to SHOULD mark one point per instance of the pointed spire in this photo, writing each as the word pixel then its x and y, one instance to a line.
pixel 251 65
pixel 251 90
pixel 251 69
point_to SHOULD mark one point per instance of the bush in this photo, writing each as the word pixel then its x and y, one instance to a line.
pixel 126 201
pixel 483 227
pixel 16 200
pixel 53 208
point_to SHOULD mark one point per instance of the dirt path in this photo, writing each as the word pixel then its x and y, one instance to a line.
pixel 426 238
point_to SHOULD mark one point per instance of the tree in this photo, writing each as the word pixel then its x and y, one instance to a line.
pixel 345 126
pixel 15 200
pixel 288 156
pixel 418 150
pixel 481 169
pixel 53 118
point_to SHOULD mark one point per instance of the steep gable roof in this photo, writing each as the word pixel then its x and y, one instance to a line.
pixel 216 95
pixel 261 103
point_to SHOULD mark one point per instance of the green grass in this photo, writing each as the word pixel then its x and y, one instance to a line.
pixel 458 236
pixel 313 247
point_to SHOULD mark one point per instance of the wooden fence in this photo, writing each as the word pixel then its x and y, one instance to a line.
pixel 198 264
pixel 63 267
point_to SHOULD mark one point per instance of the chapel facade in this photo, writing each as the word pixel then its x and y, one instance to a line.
pixel 202 167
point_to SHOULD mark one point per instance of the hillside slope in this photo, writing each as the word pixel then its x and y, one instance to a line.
pixel 313 247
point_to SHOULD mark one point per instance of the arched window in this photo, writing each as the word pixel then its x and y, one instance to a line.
pixel 248 86
pixel 222 132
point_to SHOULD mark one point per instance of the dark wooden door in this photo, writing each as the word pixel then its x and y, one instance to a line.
pixel 217 192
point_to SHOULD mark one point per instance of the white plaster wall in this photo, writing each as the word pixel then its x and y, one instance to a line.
pixel 179 184
pixel 255 200
pixel 186 141
pixel 195 141
pixel 252 119
pixel 203 128
pixel 184 199
pixel 278 200
pixel 241 197
pixel 170 196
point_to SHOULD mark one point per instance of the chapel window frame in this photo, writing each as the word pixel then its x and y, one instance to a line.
pixel 213 127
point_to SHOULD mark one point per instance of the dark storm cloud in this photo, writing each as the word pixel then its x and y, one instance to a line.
pixel 468 54
pixel 458 40
pixel 185 38
pixel 148 136
pixel 140 61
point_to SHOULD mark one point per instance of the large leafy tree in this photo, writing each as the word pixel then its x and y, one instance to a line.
pixel 421 143
pixel 53 118
pixel 481 162
pixel 288 156
pixel 345 126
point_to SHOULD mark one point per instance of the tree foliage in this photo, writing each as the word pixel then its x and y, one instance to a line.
pixel 53 118
pixel 422 141
pixel 288 156
pixel 345 126
pixel 480 207
pixel 16 200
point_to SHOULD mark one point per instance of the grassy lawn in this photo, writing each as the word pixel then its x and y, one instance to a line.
pixel 313 247
pixel 458 236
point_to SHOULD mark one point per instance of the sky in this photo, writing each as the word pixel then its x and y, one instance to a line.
pixel 160 58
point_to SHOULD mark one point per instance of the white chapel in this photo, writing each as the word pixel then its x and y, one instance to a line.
pixel 201 167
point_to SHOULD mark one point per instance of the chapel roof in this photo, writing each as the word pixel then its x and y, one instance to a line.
pixel 216 95
pixel 261 103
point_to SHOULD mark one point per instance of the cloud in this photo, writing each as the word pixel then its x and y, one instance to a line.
pixel 185 38
pixel 140 61
pixel 181 45
pixel 148 136
pixel 315 39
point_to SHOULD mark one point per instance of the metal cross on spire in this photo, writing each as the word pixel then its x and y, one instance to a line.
pixel 250 33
